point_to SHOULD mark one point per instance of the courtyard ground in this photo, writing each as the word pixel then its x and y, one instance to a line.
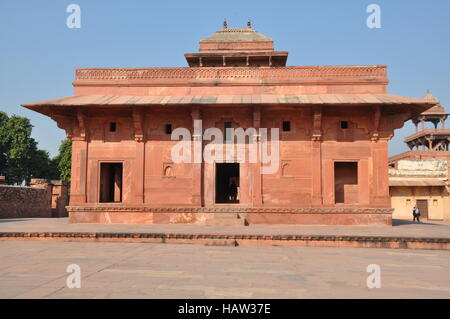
pixel 137 270
pixel 36 269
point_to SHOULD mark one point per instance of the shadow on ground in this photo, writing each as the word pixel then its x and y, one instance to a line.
pixel 11 220
pixel 401 222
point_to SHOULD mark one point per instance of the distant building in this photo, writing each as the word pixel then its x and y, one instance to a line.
pixel 419 177
pixel 334 125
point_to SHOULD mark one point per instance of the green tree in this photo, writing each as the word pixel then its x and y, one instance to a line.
pixel 20 159
pixel 64 159
pixel 3 147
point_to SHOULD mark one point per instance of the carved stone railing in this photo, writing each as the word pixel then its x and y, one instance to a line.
pixel 427 132
pixel 306 72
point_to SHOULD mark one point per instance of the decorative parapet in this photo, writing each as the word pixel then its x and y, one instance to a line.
pixel 294 73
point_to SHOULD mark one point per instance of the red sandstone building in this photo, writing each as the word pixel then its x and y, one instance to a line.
pixel 334 122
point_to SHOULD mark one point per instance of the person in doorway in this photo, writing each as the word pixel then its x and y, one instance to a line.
pixel 416 214
pixel 233 191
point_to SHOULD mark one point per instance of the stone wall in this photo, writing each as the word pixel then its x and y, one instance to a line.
pixel 41 199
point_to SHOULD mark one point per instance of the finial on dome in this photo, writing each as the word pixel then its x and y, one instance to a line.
pixel 249 24
pixel 225 24
pixel 430 97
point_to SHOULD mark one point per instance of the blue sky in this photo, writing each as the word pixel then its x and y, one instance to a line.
pixel 38 53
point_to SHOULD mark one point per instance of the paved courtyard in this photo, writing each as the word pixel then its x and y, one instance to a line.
pixel 137 270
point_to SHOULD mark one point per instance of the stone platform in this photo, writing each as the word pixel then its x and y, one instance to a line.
pixel 404 234
pixel 112 214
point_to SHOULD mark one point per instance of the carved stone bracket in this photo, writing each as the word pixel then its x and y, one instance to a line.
pixel 138 123
pixel 317 124
pixel 64 122
pixel 376 124
pixel 82 125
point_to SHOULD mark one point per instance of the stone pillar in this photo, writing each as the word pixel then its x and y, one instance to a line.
pixel 316 160
pixel 139 166
pixel 256 167
pixel 380 180
pixel 78 189
pixel 78 182
pixel 363 182
pixel 316 165
pixel 197 143
pixel 139 171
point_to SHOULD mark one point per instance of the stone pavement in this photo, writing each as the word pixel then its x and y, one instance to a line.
pixel 136 270
pixel 401 228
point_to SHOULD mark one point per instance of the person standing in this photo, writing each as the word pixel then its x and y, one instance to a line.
pixel 416 214
pixel 233 191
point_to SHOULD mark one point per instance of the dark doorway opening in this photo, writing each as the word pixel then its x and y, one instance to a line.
pixel 227 183
pixel 111 182
pixel 422 205
pixel 346 182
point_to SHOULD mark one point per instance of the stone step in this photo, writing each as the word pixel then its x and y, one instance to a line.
pixel 225 215
pixel 226 222
pixel 227 219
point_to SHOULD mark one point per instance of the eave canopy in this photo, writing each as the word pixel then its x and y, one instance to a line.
pixel 418 105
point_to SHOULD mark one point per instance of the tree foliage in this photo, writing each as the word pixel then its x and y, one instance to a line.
pixel 64 159
pixel 20 158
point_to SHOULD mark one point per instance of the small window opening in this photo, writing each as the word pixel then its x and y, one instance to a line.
pixel 344 125
pixel 168 129
pixel 112 126
pixel 286 126
pixel 226 133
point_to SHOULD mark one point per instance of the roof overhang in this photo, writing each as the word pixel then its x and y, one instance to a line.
pixel 416 182
pixel 391 101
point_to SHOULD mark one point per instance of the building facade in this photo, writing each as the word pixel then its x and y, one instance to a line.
pixel 331 154
pixel 419 177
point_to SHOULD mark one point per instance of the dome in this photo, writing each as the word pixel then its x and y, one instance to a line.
pixel 237 35
pixel 437 109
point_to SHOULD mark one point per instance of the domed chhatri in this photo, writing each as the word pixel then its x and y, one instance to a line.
pixel 435 139
pixel 232 47
pixel 246 34
pixel 437 109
